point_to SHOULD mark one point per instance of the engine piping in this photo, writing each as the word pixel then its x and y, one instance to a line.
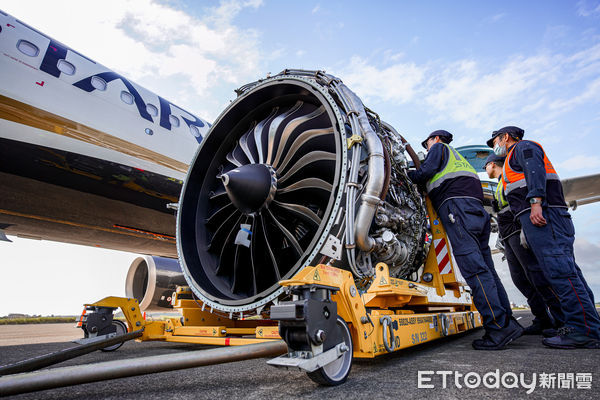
pixel 376 173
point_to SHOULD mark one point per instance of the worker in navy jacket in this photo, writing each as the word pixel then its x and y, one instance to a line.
pixel 455 191
pixel 534 193
pixel 524 268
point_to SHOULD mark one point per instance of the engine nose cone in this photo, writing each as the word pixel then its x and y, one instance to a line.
pixel 250 187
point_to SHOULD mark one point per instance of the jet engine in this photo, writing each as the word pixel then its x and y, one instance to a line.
pixel 152 281
pixel 295 172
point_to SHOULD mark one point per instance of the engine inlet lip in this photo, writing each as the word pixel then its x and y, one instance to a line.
pixel 288 87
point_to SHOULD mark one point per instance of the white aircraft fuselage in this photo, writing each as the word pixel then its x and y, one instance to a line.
pixel 86 155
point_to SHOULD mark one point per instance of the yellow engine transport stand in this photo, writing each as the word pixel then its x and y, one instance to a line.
pixel 329 320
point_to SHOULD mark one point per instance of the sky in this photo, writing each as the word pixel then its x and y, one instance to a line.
pixel 469 67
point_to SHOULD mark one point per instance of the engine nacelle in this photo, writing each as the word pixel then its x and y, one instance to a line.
pixel 152 281
pixel 295 172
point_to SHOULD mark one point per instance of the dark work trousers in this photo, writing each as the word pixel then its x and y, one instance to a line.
pixel 553 248
pixel 467 225
pixel 528 277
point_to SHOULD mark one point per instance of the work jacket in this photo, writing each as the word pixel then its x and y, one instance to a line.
pixel 529 173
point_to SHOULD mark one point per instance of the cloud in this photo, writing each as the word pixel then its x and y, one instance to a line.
pixel 397 83
pixel 580 162
pixel 479 99
pixel 536 87
pixel 588 8
pixel 177 54
pixel 316 9
pixel 495 18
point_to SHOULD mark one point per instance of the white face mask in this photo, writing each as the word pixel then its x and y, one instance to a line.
pixel 500 151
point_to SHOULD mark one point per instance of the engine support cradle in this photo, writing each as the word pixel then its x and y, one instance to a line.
pixel 385 315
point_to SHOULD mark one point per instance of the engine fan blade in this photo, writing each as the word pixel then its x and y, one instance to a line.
pixel 289 130
pixel 301 140
pixel 223 231
pixel 303 212
pixel 288 235
pixel 276 124
pixel 308 183
pixel 305 160
pixel 221 215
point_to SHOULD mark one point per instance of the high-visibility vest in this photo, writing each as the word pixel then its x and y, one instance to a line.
pixel 515 185
pixel 499 194
pixel 456 166
pixel 514 180
pixel 505 217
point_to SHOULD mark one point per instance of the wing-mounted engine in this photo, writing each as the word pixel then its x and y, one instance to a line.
pixel 295 172
pixel 152 281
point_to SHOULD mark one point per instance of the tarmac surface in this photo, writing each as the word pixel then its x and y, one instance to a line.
pixel 394 376
pixel 12 335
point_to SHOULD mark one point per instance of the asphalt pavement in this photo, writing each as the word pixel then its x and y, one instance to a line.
pixel 416 373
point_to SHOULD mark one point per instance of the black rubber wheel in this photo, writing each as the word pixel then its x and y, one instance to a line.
pixel 337 372
pixel 121 330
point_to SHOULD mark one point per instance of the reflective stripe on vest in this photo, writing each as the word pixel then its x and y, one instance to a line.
pixel 499 196
pixel 456 166
pixel 515 180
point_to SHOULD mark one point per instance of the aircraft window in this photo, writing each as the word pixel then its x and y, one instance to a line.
pixel 98 83
pixel 66 67
pixel 195 131
pixel 174 121
pixel 28 48
pixel 127 97
pixel 152 110
pixel 149 131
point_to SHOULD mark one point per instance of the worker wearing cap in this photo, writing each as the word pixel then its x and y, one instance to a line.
pixel 455 191
pixel 524 269
pixel 534 193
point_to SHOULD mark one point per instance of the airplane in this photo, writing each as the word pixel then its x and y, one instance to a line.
pixel 89 157
pixel 86 155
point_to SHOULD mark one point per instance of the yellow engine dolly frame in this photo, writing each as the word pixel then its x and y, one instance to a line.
pixel 390 315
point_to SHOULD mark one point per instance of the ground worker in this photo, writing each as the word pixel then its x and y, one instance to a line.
pixel 455 191
pixel 525 271
pixel 534 193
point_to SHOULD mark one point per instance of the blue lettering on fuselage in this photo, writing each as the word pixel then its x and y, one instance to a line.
pixel 165 111
pixel 86 84
pixel 56 51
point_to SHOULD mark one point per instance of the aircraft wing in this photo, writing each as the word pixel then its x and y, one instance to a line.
pixel 581 190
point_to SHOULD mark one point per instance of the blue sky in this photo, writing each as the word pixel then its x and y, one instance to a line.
pixel 465 66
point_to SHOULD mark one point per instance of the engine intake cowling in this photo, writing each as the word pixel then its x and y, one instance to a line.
pixel 152 281
pixel 275 186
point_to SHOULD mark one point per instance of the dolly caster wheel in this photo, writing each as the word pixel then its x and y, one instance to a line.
pixel 337 372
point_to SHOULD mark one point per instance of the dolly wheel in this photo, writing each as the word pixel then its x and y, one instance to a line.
pixel 121 330
pixel 336 373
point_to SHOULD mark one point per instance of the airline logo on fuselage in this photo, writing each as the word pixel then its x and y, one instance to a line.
pixel 56 51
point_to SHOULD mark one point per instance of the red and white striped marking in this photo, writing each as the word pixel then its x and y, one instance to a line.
pixel 443 256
